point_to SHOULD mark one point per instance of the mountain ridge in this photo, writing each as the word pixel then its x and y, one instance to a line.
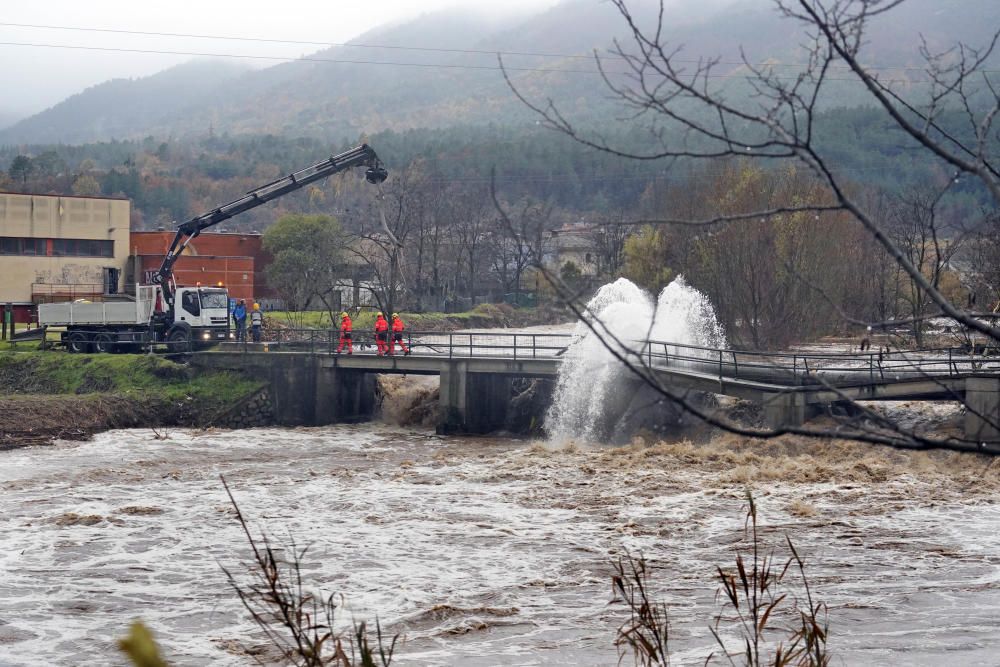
pixel 353 96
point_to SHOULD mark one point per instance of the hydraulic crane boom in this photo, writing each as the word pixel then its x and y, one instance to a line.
pixel 360 156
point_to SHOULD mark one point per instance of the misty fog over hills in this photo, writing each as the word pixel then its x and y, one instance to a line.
pixel 441 88
pixel 8 118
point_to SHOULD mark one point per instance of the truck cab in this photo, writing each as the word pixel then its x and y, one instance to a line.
pixel 201 315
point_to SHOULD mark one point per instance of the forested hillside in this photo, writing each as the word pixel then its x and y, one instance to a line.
pixel 121 107
pixel 171 180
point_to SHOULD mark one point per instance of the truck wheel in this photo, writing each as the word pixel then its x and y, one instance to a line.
pixel 78 342
pixel 179 340
pixel 105 343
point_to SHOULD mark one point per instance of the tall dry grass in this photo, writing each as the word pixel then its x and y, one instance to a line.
pixel 776 620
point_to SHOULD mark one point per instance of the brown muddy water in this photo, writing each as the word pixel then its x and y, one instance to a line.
pixel 486 551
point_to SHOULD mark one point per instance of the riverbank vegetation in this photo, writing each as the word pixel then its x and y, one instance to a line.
pixel 48 395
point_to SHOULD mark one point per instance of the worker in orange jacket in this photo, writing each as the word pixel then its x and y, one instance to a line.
pixel 345 334
pixel 397 334
pixel 381 335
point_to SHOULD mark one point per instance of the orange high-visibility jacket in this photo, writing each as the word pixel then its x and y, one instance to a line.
pixel 381 325
pixel 345 324
pixel 397 324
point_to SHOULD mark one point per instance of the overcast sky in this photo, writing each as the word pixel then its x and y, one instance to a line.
pixel 33 78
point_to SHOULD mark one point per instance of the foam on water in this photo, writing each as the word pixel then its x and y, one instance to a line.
pixel 482 552
pixel 592 380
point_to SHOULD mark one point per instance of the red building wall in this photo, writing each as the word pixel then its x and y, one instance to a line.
pixel 235 260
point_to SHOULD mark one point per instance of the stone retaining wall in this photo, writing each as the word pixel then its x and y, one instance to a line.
pixel 255 410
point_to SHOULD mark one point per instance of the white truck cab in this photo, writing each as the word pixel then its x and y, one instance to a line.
pixel 203 310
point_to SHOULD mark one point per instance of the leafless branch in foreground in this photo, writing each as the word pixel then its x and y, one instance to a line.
pixel 696 120
pixel 777 121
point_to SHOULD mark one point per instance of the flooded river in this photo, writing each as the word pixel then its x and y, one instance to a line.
pixel 485 551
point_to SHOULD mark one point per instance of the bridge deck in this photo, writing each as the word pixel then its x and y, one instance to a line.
pixel 749 381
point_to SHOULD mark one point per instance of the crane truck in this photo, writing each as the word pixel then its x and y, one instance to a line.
pixel 184 317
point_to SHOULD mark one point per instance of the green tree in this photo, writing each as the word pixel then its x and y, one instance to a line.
pixel 646 257
pixel 20 168
pixel 570 274
pixel 308 264
pixel 86 185
pixel 49 164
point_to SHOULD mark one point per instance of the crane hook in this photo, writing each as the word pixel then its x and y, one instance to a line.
pixel 376 174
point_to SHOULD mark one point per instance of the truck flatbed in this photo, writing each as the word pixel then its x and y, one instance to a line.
pixel 99 313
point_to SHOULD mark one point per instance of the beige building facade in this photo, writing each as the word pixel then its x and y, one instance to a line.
pixel 55 248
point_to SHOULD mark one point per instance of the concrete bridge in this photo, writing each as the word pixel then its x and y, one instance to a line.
pixel 313 386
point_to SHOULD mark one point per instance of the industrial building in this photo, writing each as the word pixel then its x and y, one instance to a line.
pixel 57 248
pixel 236 260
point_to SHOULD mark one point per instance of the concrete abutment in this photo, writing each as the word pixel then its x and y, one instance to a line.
pixel 787 410
pixel 343 396
pixel 472 402
pixel 982 414
pixel 304 391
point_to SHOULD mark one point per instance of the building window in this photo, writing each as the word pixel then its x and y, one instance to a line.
pixel 82 248
pixel 10 245
pixel 21 246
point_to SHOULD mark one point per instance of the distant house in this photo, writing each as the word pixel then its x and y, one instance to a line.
pixel 572 243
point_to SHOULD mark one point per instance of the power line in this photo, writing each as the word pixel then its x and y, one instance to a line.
pixel 298 41
pixel 487 52
pixel 345 61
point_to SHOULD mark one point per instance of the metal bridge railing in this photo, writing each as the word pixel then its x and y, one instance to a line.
pixel 815 368
pixel 521 345
pixel 787 368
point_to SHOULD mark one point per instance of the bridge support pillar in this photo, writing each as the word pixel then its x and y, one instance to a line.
pixel 292 384
pixel 452 397
pixel 472 402
pixel 982 415
pixel 342 395
pixel 785 410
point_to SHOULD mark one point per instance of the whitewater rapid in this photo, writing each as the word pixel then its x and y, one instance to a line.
pixel 485 551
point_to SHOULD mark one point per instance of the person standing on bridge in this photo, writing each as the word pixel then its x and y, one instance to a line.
pixel 345 334
pixel 397 335
pixel 381 335
pixel 240 319
pixel 256 322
